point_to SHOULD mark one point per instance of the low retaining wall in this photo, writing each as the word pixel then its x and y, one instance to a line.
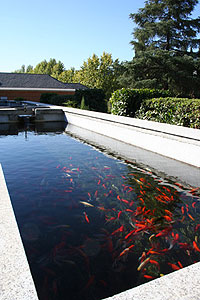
pixel 11 115
pixel 16 282
pixel 49 115
pixel 176 142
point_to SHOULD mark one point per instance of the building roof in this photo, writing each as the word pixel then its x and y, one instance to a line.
pixel 34 81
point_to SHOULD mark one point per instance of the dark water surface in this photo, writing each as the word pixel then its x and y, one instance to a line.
pixel 92 225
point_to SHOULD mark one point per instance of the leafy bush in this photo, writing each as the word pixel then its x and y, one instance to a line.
pixel 19 99
pixel 61 99
pixel 94 99
pixel 70 103
pixel 125 102
pixel 46 97
pixel 177 111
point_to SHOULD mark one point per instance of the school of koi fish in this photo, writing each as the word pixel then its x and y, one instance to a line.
pixel 100 226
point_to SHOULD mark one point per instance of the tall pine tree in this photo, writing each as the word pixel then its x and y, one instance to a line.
pixel 167 47
pixel 166 25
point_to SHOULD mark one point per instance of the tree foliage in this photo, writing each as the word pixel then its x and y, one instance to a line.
pixel 166 25
pixel 96 73
pixel 100 72
pixel 166 45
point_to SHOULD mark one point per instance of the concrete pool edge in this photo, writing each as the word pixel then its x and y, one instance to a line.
pixel 179 285
pixel 176 142
pixel 15 278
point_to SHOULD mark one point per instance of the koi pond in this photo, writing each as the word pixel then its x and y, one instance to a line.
pixel 93 225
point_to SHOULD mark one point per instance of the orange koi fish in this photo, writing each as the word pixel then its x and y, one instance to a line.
pixel 167 218
pixel 168 190
pixel 193 204
pixel 142 179
pixel 149 277
pixel 164 232
pixel 195 246
pixel 191 217
pixel 130 189
pixel 197 227
pixel 126 250
pixel 182 210
pixel 120 229
pixel 129 234
pixel 184 246
pixel 111 219
pixel 180 264
pixel 168 212
pixel 193 190
pixel 173 266
pixel 103 208
pixel 119 214
pixel 159 199
pixel 86 217
pixel 143 256
pixel 86 203
pixel 143 264
pixel 153 252
pixel 154 262
pixel 141 199
pixel 129 210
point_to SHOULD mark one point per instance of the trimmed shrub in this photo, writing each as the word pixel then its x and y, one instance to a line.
pixel 70 103
pixel 46 97
pixel 176 111
pixel 125 102
pixel 20 99
pixel 94 99
pixel 61 99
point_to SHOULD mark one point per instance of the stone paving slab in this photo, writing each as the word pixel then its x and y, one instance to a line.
pixel 16 282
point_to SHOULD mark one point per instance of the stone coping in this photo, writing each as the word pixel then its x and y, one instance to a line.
pixel 16 282
pixel 175 130
pixel 176 142
pixel 178 285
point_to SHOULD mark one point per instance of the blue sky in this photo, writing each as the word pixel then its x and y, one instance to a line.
pixel 70 31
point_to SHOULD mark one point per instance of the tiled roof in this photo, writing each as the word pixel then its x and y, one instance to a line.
pixel 25 80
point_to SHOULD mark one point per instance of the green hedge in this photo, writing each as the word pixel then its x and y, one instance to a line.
pixel 125 102
pixel 94 99
pixel 177 111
